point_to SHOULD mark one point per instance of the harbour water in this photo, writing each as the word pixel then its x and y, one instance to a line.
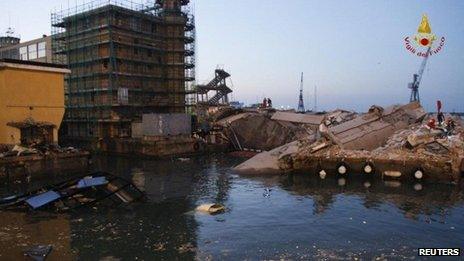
pixel 296 216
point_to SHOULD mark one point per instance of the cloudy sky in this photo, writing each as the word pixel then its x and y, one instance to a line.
pixel 353 51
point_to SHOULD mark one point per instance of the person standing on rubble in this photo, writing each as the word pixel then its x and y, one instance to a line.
pixel 264 103
pixel 269 102
pixel 440 118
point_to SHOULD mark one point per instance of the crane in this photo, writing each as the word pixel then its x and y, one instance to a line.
pixel 417 77
pixel 300 101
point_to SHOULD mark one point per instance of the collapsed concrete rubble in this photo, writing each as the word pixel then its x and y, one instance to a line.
pixel 257 131
pixel 391 142
pixel 268 129
pixel 41 160
pixel 17 150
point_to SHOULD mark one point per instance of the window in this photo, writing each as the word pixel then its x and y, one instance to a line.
pixel 86 23
pixel 32 51
pixel 42 49
pixel 123 95
pixel 23 53
pixel 133 23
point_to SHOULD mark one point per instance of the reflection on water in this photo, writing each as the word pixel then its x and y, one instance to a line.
pixel 291 217
pixel 412 199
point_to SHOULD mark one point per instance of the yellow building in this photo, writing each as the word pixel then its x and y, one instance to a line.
pixel 31 101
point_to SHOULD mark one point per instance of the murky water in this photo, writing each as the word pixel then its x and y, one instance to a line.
pixel 288 217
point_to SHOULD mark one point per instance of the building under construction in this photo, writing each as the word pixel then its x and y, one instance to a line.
pixel 126 59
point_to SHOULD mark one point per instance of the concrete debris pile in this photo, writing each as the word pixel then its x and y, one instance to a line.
pixel 17 150
pixel 268 129
pixel 437 148
pixel 332 118
pixel 259 132
pixel 394 140
pixel 339 116
pixel 371 130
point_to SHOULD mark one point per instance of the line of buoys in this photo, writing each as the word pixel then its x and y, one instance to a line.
pixel 343 169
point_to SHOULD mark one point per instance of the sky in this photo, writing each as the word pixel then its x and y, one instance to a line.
pixel 353 51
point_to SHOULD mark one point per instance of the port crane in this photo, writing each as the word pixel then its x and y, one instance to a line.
pixel 417 77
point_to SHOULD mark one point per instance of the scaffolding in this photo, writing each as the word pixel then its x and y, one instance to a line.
pixel 126 59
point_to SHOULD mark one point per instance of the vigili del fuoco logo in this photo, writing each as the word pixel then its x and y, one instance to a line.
pixel 424 41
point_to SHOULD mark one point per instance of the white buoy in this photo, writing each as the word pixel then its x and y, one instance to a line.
pixel 341 182
pixel 322 174
pixel 418 174
pixel 392 173
pixel 418 187
pixel 368 169
pixel 341 170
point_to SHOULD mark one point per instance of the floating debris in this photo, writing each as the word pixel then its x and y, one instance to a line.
pixel 84 191
pixel 39 252
pixel 211 208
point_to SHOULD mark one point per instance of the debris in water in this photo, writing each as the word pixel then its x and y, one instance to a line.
pixel 77 192
pixel 39 252
pixel 211 208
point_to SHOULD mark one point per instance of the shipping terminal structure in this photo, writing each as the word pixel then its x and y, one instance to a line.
pixel 126 59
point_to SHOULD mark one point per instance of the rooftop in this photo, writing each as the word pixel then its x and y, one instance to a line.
pixel 29 65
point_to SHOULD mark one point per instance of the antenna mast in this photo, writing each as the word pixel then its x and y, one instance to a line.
pixel 300 101
pixel 315 98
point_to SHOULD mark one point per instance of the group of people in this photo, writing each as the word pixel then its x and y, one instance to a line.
pixel 447 125
pixel 267 103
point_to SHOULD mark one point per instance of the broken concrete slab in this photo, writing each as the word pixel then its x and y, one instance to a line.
pixel 267 161
pixel 257 131
pixel 311 119
pixel 372 130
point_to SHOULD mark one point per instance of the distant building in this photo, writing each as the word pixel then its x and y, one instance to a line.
pixel 236 104
pixel 31 101
pixel 37 50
